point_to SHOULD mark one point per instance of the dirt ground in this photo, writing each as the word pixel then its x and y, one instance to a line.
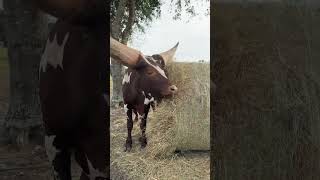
pixel 29 163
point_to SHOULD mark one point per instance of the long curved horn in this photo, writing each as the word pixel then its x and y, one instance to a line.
pixel 168 55
pixel 124 54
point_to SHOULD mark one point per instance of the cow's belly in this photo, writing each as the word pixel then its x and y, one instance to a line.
pixel 67 104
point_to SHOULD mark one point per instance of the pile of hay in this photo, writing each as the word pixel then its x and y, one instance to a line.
pixel 165 129
pixel 182 123
pixel 139 165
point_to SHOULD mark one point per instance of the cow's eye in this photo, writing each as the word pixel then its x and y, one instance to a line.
pixel 150 72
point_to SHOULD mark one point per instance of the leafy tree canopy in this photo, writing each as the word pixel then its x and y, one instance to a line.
pixel 147 11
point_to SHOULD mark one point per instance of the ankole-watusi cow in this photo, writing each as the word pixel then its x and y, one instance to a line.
pixel 73 86
pixel 73 75
pixel 143 84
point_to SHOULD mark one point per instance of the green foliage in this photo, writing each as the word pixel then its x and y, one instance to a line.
pixel 189 7
pixel 146 12
pixel 149 10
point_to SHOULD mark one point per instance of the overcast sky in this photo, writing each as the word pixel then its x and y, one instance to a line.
pixel 164 33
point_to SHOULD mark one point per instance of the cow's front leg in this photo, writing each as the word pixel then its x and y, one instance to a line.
pixel 128 144
pixel 153 105
pixel 143 126
pixel 59 157
pixel 136 115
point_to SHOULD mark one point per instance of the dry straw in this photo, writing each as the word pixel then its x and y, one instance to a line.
pixel 182 123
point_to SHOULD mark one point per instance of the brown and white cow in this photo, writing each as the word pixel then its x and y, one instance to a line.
pixel 73 86
pixel 73 74
pixel 143 84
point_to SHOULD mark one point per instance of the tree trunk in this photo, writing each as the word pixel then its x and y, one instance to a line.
pixel 132 17
pixel 266 107
pixel 117 70
pixel 26 30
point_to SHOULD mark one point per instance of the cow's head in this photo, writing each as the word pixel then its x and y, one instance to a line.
pixel 153 79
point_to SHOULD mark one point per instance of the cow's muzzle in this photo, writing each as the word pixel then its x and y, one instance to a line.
pixel 173 89
pixel 169 91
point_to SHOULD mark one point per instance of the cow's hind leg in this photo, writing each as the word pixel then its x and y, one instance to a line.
pixel 143 126
pixel 128 144
pixel 91 144
pixel 92 158
pixel 59 157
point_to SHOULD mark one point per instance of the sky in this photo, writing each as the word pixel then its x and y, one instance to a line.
pixel 192 34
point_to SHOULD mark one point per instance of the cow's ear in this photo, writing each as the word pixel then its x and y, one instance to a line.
pixel 124 54
pixel 168 56
pixel 61 8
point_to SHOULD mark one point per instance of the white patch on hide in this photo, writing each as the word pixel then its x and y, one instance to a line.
pixel 161 71
pixel 51 150
pixel 148 101
pixel 126 78
pixel 53 53
pixel 93 172
pixel 125 108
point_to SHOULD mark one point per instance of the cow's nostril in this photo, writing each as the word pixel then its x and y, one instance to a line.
pixel 173 88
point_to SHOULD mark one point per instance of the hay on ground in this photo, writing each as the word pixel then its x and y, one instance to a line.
pixel 138 165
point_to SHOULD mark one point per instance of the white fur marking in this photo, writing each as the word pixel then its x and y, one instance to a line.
pixel 126 108
pixel 93 172
pixel 51 150
pixel 126 78
pixel 161 71
pixel 53 53
pixel 148 101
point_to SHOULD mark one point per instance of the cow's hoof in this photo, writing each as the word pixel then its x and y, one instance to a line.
pixel 143 141
pixel 128 146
